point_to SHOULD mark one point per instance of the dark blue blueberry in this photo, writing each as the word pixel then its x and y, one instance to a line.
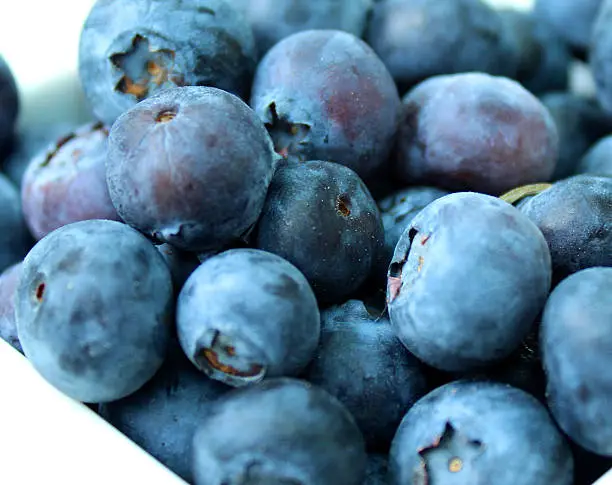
pixel 600 53
pixel 190 166
pixel 467 280
pixel 544 59
pixel 132 49
pixel 15 239
pixel 282 432
pixel 246 314
pixel 361 362
pixel 273 20
pixel 29 141
pixel 475 132
pixel 325 95
pixel 417 39
pixel 397 212
pixel 9 105
pixel 163 415
pixel 9 280
pixel 66 182
pixel 598 160
pixel 580 123
pixel 376 469
pixel 181 264
pixel 572 19
pixel 575 216
pixel 478 432
pixel 321 217
pixel 94 309
pixel 577 354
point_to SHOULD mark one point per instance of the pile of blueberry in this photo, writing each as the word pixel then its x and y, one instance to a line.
pixel 265 267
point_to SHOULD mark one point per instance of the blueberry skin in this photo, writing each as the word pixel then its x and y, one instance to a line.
pixel 580 122
pixel 321 217
pixel 398 210
pixel 273 20
pixel 132 49
pixel 474 132
pixel 66 182
pixel 577 348
pixel 575 216
pixel 9 280
pixel 600 56
pixel 247 314
pixel 325 95
pixel 573 20
pixel 598 160
pixel 361 362
pixel 163 415
pixel 282 431
pixel 418 39
pixel 544 59
pixel 180 263
pixel 468 278
pixel 478 433
pixel 15 239
pixel 9 104
pixel 191 167
pixel 94 309
pixel 29 141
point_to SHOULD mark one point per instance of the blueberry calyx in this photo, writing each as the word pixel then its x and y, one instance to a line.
pixel 452 452
pixel 288 138
pixel 229 359
pixel 144 68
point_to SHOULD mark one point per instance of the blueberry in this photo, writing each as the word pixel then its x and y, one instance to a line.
pixel 190 166
pixel 9 105
pixel 15 239
pixel 580 123
pixel 598 160
pixel 9 279
pixel 361 362
pixel 575 216
pixel 246 314
pixel 283 432
pixel 417 39
pixel 94 309
pixel 273 20
pixel 572 19
pixel 399 209
pixel 577 355
pixel 66 182
pixel 163 415
pixel 468 278
pixel 321 217
pixel 29 141
pixel 600 54
pixel 544 59
pixel 325 95
pixel 181 264
pixel 475 132
pixel 473 432
pixel 132 49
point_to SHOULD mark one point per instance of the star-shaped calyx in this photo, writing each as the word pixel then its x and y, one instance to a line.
pixel 451 454
pixel 144 68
